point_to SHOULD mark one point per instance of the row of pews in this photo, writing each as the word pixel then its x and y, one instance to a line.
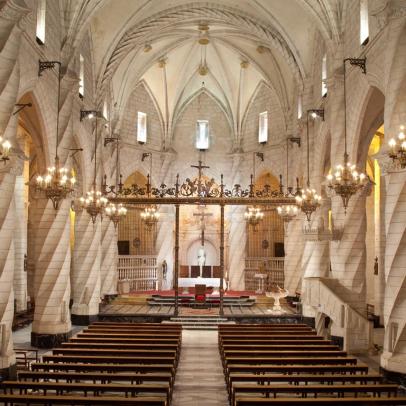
pixel 288 364
pixel 106 364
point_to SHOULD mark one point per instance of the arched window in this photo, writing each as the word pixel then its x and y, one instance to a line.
pixel 363 22
pixel 202 134
pixel 81 76
pixel 263 127
pixel 40 30
pixel 142 127
pixel 324 76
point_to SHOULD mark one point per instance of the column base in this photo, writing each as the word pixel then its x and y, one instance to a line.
pixel 310 321
pixel 83 319
pixel 49 340
pixel 338 341
pixel 395 377
pixel 9 373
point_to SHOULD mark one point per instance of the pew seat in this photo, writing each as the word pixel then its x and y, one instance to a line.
pixel 347 401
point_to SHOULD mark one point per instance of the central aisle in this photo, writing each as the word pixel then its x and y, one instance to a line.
pixel 199 378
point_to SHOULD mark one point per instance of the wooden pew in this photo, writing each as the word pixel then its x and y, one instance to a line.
pixel 315 390
pixel 119 324
pixel 150 331
pixel 124 346
pixel 8 399
pixel 269 337
pixel 99 367
pixel 95 377
pixel 147 340
pixel 348 401
pixel 261 361
pixel 253 354
pixel 102 352
pixel 161 390
pixel 271 341
pixel 269 333
pixel 128 335
pixel 248 325
pixel 145 359
pixel 271 347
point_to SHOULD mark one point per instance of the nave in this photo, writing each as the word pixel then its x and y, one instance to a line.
pixel 112 363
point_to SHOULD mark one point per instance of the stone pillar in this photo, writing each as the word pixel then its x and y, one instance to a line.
pixel 348 256
pixel 20 246
pixel 165 243
pixel 237 244
pixel 51 324
pixel 7 218
pixel 86 269
pixel 109 252
pixel 294 245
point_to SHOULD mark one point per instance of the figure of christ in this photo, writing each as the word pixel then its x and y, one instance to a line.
pixel 201 260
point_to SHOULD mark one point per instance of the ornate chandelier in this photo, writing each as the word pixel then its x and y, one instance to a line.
pixel 150 216
pixel 347 180
pixel 94 202
pixel 56 184
pixel 288 212
pixel 115 212
pixel 253 216
pixel 4 149
pixel 308 200
pixel 398 148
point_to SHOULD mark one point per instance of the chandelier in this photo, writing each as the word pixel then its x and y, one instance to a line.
pixel 56 184
pixel 253 216
pixel 150 216
pixel 115 211
pixel 308 200
pixel 346 179
pixel 94 202
pixel 4 149
pixel 288 212
pixel 398 151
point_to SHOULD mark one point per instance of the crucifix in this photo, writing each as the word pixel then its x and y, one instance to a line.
pixel 200 168
pixel 202 215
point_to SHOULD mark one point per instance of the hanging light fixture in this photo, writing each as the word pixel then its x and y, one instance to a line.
pixel 309 200
pixel 116 211
pixel 398 148
pixel 94 202
pixel 346 180
pixel 253 216
pixel 4 149
pixel 203 41
pixel 57 183
pixel 150 216
pixel 287 211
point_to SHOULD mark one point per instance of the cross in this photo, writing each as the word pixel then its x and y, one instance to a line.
pixel 202 215
pixel 200 168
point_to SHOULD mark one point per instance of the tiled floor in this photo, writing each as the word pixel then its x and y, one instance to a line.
pixel 199 379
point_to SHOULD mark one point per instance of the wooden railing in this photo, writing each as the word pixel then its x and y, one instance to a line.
pixel 140 271
pixel 272 267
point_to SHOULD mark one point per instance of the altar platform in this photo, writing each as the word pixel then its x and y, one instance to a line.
pixel 158 306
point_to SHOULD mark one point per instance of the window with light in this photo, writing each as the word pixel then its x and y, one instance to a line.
pixel 364 24
pixel 299 107
pixel 324 76
pixel 40 30
pixel 202 134
pixel 81 76
pixel 142 127
pixel 263 127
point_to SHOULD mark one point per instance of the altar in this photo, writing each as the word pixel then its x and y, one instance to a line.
pixel 191 282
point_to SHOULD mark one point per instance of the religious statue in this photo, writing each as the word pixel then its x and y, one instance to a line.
pixel 201 259
pixel 164 269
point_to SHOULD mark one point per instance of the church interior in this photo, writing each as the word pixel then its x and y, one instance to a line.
pixel 202 202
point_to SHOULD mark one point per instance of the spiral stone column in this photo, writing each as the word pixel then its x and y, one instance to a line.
pixel 165 242
pixel 20 245
pixel 108 268
pixel 86 269
pixel 294 245
pixel 51 323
